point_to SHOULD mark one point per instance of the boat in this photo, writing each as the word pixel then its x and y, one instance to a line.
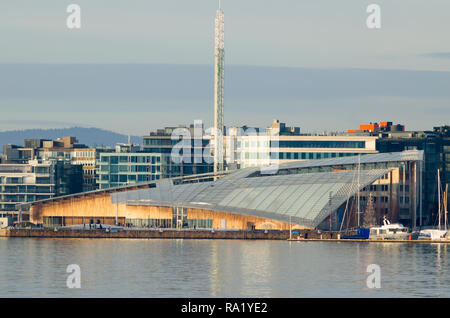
pixel 439 233
pixel 433 235
pixel 388 231
pixel 362 233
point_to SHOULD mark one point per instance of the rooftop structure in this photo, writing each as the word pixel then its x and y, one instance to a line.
pixel 383 126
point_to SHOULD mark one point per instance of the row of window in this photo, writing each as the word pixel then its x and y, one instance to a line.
pixel 26 189
pixel 150 223
pixel 128 178
pixel 128 168
pixel 23 180
pixel 264 142
pixel 297 155
pixel 318 144
pixel 404 201
pixel 374 198
pixel 406 188
pixel 170 142
pixel 168 223
pixel 23 198
pixel 377 187
pixel 125 159
pixel 385 199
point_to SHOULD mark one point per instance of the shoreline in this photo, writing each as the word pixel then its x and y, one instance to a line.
pixel 188 234
pixel 147 234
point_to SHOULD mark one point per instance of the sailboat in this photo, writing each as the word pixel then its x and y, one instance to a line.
pixel 362 233
pixel 439 233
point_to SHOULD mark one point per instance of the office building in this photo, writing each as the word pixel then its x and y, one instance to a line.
pixel 33 181
pixel 161 143
pixel 119 168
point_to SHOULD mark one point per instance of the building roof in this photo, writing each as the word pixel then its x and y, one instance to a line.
pixel 411 155
pixel 304 199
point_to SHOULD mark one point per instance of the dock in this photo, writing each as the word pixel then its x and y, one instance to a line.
pixel 367 241
pixel 147 234
pixel 189 234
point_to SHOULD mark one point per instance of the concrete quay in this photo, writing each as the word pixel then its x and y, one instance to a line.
pixel 147 234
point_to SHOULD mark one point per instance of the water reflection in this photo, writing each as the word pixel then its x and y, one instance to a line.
pixel 228 268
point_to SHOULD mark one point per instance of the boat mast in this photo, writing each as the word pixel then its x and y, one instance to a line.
pixel 439 199
pixel 445 207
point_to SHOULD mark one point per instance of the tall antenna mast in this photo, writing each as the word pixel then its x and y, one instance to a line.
pixel 219 63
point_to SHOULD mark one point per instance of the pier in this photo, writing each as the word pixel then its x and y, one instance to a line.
pixel 147 234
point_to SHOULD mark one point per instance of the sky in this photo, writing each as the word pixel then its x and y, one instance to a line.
pixel 135 66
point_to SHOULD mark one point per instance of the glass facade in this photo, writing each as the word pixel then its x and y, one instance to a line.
pixel 162 144
pixel 119 169
pixel 313 155
pixel 318 144
pixel 23 183
pixel 436 147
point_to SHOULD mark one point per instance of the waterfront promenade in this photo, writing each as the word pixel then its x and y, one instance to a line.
pixel 300 236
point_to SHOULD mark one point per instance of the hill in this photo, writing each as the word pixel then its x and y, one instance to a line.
pixel 89 136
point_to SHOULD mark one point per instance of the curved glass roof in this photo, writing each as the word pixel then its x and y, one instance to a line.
pixel 305 199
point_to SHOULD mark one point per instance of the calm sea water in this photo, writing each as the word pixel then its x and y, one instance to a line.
pixel 220 268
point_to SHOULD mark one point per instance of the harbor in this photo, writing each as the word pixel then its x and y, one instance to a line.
pixel 220 268
pixel 130 233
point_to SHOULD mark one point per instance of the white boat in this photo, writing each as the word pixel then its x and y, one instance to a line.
pixel 388 231
pixel 433 235
pixel 439 233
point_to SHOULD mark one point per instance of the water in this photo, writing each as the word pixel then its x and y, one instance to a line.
pixel 220 268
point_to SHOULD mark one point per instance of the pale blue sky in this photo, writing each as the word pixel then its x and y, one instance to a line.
pixel 319 35
pixel 295 33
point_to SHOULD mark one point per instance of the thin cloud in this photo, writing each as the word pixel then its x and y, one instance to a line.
pixel 438 55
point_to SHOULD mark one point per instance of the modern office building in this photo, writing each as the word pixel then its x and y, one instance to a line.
pixel 65 149
pixel 162 143
pixel 33 181
pixel 24 183
pixel 68 150
pixel 281 144
pixel 307 194
pixel 120 168
pixel 436 147
pixel 15 154
pixel 251 147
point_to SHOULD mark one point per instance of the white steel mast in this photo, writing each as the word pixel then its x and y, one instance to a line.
pixel 219 56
